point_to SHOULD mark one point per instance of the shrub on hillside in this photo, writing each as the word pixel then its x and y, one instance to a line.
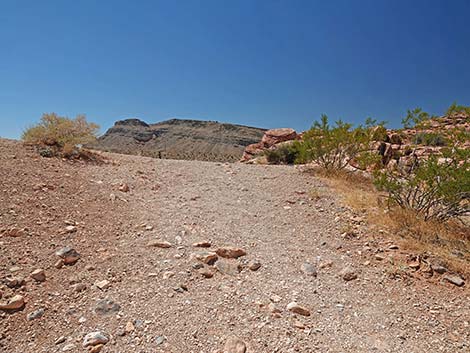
pixel 434 188
pixel 56 135
pixel 333 147
pixel 458 109
pixel 414 117
pixel 430 139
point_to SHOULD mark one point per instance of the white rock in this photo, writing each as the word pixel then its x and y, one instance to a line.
pixel 95 338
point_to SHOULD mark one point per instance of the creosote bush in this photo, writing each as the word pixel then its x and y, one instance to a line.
pixel 334 147
pixel 56 135
pixel 434 188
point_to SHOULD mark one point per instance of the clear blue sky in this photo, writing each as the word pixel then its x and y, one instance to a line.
pixel 262 63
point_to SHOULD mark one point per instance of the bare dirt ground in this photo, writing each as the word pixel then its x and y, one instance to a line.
pixel 158 300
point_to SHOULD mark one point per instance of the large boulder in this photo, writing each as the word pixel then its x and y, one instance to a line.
pixel 275 136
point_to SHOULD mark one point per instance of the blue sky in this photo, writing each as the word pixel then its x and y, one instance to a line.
pixel 262 63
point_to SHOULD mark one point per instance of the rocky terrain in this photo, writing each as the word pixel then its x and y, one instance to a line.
pixel 150 255
pixel 179 139
pixel 398 148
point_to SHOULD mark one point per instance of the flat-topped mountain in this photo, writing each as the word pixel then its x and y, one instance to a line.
pixel 179 139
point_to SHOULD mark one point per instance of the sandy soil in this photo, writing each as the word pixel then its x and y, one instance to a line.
pixel 164 302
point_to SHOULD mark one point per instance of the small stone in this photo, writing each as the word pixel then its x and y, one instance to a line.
pixel 348 274
pixel 38 275
pixel 59 264
pixel 274 309
pixel 15 232
pixel 326 264
pixel 124 187
pixel 202 244
pixel 129 327
pixel 415 265
pixel 35 314
pixel 68 255
pixel 68 347
pixel 159 340
pixel 379 257
pixel 94 338
pixel 60 340
pixel 254 265
pixel 228 267
pixel 454 279
pixel 78 287
pixel 106 306
pixel 70 229
pixel 208 257
pixel 159 244
pixel 234 345
pixel 96 349
pixel 439 269
pixel 206 272
pixel 168 274
pixel 297 309
pixel 309 269
pixel 197 266
pixel 393 247
pixel 230 252
pixel 15 303
pixel 275 298
pixel 298 324
pixel 104 284
pixel 14 282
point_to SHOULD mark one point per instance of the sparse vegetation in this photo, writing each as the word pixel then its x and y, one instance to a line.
pixel 56 135
pixel 332 148
pixel 285 154
pixel 414 117
pixel 430 139
pixel 432 189
pixel 458 109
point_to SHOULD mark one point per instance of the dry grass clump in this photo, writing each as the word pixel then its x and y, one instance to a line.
pixel 61 136
pixel 448 241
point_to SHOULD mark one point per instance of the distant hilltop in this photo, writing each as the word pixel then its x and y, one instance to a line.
pixel 179 139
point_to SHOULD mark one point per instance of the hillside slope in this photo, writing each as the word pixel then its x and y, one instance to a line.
pixel 179 139
pixel 141 280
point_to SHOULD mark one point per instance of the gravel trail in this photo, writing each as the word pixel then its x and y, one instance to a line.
pixel 165 302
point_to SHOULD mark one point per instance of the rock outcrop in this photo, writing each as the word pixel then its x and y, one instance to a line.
pixel 270 140
pixel 397 148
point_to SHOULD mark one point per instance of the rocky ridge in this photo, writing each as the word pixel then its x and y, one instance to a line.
pixel 179 139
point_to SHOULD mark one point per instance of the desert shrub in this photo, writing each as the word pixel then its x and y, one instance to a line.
pixel 434 188
pixel 414 117
pixel 333 147
pixel 56 135
pixel 430 139
pixel 284 154
pixel 458 109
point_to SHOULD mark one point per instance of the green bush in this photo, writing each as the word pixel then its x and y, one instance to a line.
pixel 284 154
pixel 433 188
pixel 332 148
pixel 430 139
pixel 60 135
pixel 458 109
pixel 414 117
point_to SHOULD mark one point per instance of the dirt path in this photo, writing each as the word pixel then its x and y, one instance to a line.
pixel 265 210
